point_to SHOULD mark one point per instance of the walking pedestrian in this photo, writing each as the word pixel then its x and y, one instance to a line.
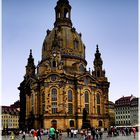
pixel 12 137
pixel 72 133
pixel 68 132
pixel 35 135
pixel 52 133
pixel 23 136
pixel 134 132
pixel 93 133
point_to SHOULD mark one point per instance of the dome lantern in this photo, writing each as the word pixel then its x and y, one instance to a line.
pixel 63 14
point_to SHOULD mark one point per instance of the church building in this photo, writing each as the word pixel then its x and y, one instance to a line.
pixel 56 90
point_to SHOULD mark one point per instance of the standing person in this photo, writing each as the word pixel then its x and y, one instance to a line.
pixel 57 134
pixel 12 137
pixel 35 135
pixel 23 136
pixel 52 133
pixel 71 132
pixel 75 133
pixel 89 134
pixel 93 132
pixel 68 132
pixel 134 132
pixel 39 136
pixel 100 134
pixel 60 134
pixel 97 132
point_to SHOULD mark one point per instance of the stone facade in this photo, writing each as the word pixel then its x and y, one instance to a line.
pixel 56 91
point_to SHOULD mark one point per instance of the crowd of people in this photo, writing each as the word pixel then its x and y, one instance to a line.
pixel 124 131
pixel 85 134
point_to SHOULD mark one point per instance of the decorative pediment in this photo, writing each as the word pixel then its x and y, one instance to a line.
pixel 86 78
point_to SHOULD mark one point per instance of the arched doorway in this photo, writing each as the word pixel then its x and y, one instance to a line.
pixel 100 123
pixel 71 123
pixel 54 124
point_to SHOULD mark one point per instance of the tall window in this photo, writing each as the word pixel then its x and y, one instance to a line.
pixel 69 96
pixel 32 100
pixel 54 94
pixel 86 97
pixel 87 101
pixel 98 110
pixel 65 13
pixel 70 108
pixel 54 64
pixel 70 105
pixel 54 100
pixel 98 98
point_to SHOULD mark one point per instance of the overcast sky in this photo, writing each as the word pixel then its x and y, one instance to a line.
pixel 112 24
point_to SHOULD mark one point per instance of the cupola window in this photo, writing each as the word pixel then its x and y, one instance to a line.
pixel 59 14
pixel 75 43
pixel 65 13
pixel 54 64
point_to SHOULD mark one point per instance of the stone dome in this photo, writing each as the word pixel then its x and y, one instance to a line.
pixel 64 36
pixel 67 39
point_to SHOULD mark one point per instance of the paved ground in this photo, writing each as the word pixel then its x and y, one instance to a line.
pixel 131 137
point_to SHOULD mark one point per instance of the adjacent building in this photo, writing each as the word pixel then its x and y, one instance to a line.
pixel 123 110
pixel 111 113
pixel 9 117
pixel 57 89
pixel 134 106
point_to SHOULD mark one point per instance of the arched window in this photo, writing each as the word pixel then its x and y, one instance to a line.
pixel 65 13
pixel 54 64
pixel 70 105
pixel 54 94
pixel 86 97
pixel 69 96
pixel 98 98
pixel 100 123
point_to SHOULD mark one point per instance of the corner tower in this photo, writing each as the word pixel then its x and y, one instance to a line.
pixel 98 70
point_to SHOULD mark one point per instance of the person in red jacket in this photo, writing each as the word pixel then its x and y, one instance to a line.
pixel 35 135
pixel 134 131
